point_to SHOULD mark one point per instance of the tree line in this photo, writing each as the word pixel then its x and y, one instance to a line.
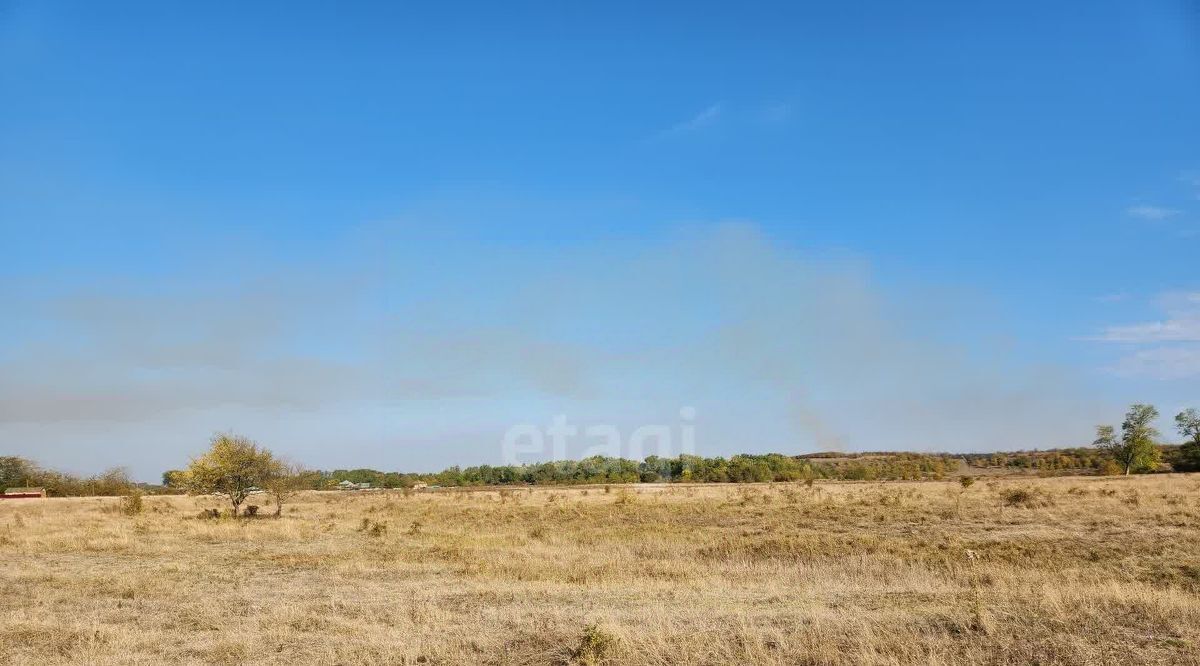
pixel 744 468
pixel 18 472
pixel 236 467
pixel 1136 449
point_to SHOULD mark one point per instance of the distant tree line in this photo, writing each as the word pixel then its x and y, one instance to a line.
pixel 18 472
pixel 1135 449
pixel 744 468
pixel 235 466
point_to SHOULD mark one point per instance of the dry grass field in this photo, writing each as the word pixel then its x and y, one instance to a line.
pixel 1016 571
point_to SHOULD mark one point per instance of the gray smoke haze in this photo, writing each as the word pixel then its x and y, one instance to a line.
pixel 394 350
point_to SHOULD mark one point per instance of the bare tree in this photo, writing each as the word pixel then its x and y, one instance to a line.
pixel 286 480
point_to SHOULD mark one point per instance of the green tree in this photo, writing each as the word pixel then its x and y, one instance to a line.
pixel 1135 450
pixel 1188 423
pixel 232 466
pixel 15 472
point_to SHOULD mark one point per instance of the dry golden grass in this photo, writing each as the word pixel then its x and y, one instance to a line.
pixel 1075 571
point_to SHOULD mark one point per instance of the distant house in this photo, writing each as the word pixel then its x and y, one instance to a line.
pixel 23 493
pixel 420 485
pixel 350 485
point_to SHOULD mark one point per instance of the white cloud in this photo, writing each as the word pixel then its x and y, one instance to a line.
pixel 1146 212
pixel 1175 362
pixel 1170 330
pixel 705 118
pixel 1181 324
pixel 1169 347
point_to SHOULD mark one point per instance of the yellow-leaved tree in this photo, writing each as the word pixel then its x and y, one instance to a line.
pixel 233 466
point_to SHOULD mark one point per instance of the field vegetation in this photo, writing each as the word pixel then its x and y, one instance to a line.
pixel 1071 570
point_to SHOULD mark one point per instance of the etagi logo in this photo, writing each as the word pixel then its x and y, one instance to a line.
pixel 532 443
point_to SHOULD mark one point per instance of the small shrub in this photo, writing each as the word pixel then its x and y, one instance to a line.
pixel 1025 498
pixel 966 481
pixel 251 511
pixel 415 528
pixel 594 645
pixel 131 504
pixel 372 528
pixel 1110 468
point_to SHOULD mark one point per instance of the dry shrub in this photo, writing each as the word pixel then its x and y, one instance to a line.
pixel 131 504
pixel 1110 468
pixel 748 496
pixel 1026 497
pixel 373 528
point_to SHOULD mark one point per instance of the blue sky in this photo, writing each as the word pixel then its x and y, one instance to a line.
pixel 379 234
